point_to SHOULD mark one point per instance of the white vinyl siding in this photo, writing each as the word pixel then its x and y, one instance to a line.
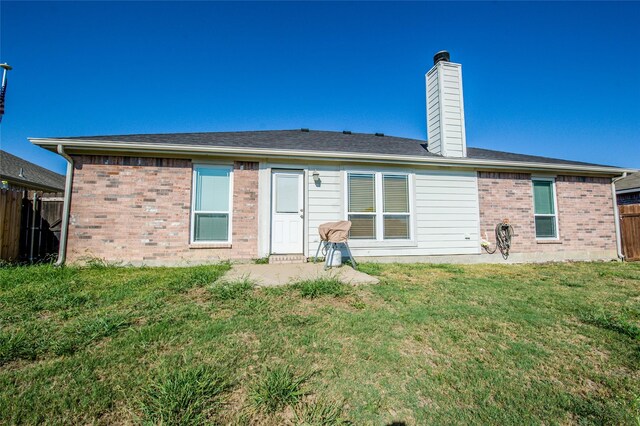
pixel 211 204
pixel 445 110
pixel 444 219
pixel 324 201
pixel 433 112
pixel 544 208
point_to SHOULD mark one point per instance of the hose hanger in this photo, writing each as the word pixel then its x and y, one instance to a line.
pixel 504 234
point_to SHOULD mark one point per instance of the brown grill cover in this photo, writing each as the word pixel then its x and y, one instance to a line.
pixel 335 232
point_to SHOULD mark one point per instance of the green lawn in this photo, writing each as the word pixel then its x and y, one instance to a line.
pixel 430 344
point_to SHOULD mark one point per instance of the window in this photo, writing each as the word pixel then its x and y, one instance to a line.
pixel 544 208
pixel 362 202
pixel 378 206
pixel 287 193
pixel 211 206
pixel 395 189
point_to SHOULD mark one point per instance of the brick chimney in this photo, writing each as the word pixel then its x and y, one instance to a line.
pixel 445 108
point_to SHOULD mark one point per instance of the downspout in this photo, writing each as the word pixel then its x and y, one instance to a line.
pixel 616 214
pixel 62 251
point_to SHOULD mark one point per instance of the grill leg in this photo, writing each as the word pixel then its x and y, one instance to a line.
pixel 315 259
pixel 353 262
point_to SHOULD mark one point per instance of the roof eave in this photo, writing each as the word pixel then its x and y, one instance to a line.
pixel 628 190
pixel 141 147
pixel 30 185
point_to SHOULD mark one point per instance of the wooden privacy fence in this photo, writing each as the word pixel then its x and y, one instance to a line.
pixel 30 223
pixel 10 218
pixel 630 230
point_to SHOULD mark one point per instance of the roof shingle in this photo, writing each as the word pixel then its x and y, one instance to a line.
pixel 630 182
pixel 317 140
pixel 39 177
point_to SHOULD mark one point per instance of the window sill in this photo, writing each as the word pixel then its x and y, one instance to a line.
pixel 381 244
pixel 548 242
pixel 210 246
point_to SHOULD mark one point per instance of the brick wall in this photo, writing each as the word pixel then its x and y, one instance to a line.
pixel 137 209
pixel 585 212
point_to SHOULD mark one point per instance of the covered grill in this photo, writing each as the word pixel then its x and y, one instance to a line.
pixel 332 236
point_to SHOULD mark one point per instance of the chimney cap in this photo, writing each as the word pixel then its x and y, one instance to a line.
pixel 442 55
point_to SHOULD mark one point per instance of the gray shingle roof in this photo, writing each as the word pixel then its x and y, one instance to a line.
pixel 316 140
pixel 33 174
pixel 630 182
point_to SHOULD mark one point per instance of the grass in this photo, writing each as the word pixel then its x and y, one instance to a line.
pixel 430 344
pixel 277 388
pixel 312 289
pixel 320 413
pixel 612 322
pixel 231 290
pixel 183 395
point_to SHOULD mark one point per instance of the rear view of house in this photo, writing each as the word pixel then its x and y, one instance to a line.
pixel 202 197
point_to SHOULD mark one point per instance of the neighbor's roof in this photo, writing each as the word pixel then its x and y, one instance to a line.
pixel 33 176
pixel 630 182
pixel 313 141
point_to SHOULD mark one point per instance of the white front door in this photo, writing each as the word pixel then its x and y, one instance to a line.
pixel 287 212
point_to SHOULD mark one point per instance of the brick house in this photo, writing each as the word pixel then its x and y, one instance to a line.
pixel 202 197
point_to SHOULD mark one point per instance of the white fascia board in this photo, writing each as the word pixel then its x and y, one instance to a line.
pixel 141 147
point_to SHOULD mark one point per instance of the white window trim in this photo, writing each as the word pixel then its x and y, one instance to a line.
pixel 379 213
pixel 555 207
pixel 192 225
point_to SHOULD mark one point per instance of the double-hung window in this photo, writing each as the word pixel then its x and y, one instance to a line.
pixel 396 216
pixel 362 206
pixel 544 209
pixel 211 204
pixel 379 206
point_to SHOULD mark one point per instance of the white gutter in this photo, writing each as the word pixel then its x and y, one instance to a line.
pixel 627 191
pixel 62 251
pixel 319 155
pixel 616 214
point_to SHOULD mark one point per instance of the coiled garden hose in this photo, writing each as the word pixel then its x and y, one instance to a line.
pixel 504 234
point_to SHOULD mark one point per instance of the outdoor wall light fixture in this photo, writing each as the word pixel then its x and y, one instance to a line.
pixel 316 176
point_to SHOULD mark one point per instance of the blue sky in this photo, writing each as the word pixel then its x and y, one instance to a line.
pixel 553 79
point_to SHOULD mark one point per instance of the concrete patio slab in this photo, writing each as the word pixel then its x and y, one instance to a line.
pixel 281 274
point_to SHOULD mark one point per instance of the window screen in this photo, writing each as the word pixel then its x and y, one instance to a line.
pixel 544 209
pixel 362 193
pixel 396 194
pixel 211 209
